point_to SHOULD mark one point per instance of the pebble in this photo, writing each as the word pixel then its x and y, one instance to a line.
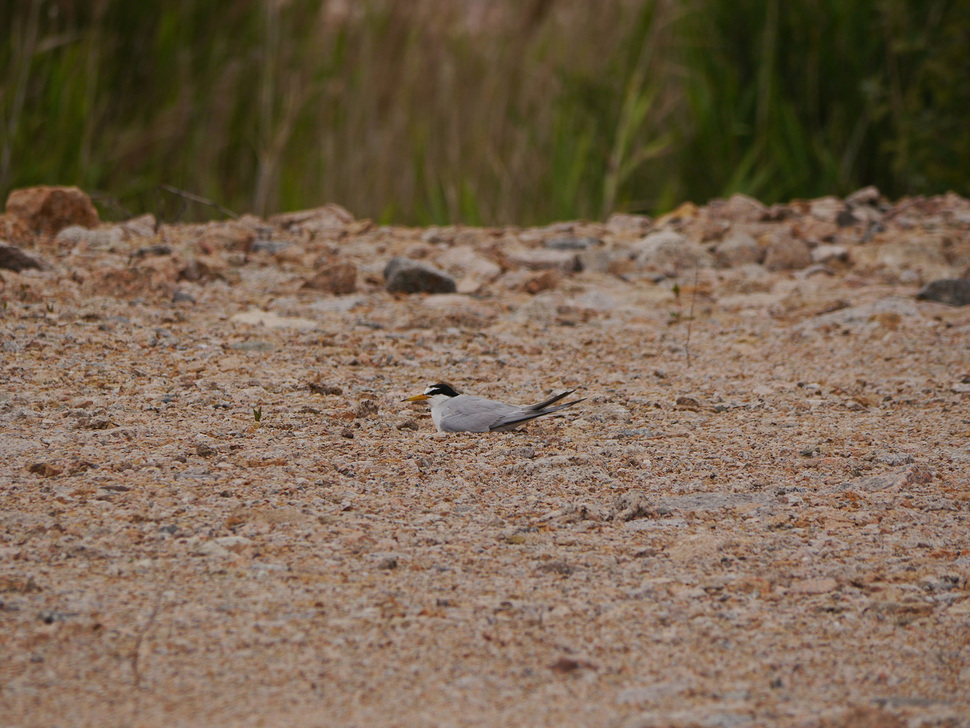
pixel 405 275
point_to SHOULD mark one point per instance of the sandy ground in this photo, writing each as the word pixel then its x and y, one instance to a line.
pixel 218 511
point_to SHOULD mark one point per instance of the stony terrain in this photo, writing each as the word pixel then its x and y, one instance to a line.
pixel 216 510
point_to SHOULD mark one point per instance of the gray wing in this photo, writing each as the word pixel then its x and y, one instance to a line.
pixel 466 413
pixel 525 414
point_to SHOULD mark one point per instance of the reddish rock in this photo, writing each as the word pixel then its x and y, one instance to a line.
pixel 339 277
pixel 784 251
pixel 48 210
pixel 15 231
pixel 153 280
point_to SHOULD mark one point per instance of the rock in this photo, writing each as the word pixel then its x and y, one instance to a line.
pixel 952 291
pixel 846 218
pixel 404 275
pixel 530 281
pixel 894 481
pixel 865 316
pixel 47 210
pixel 320 222
pixel 366 409
pixel 564 261
pixel 739 208
pixel 685 212
pixel 923 254
pixel 867 196
pixel 270 247
pixel 15 231
pixel 830 255
pixel 204 267
pixel 621 224
pixel 15 259
pixel 783 251
pixel 572 243
pixel 826 208
pixel 738 249
pixel 143 226
pixel 45 469
pixel 602 260
pixel 153 280
pixel 473 270
pixel 453 309
pixel 107 238
pixel 219 236
pixel 339 277
pixel 667 252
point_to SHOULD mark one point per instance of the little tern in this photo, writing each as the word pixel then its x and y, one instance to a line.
pixel 454 412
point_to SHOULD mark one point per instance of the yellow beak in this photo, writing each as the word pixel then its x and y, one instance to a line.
pixel 416 398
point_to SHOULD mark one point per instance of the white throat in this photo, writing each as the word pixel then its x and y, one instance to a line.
pixel 437 400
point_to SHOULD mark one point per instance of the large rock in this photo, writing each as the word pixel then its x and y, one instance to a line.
pixel 47 210
pixel 668 252
pixel 405 275
pixel 339 277
pixel 952 291
pixel 13 258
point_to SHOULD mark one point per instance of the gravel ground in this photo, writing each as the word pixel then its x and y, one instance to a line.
pixel 217 510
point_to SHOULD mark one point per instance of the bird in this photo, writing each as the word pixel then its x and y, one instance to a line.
pixel 455 412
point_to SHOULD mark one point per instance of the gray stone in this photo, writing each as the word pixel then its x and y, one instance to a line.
pixel 15 259
pixel 866 315
pixel 404 275
pixel 738 249
pixel 952 291
pixel 105 238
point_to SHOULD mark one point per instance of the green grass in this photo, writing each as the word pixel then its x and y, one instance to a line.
pixel 422 113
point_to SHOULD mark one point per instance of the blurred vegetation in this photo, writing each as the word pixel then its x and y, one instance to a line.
pixel 486 111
